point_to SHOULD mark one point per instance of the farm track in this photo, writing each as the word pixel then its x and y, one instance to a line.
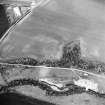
pixel 42 66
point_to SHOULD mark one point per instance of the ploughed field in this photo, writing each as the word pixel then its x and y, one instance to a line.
pixel 47 29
